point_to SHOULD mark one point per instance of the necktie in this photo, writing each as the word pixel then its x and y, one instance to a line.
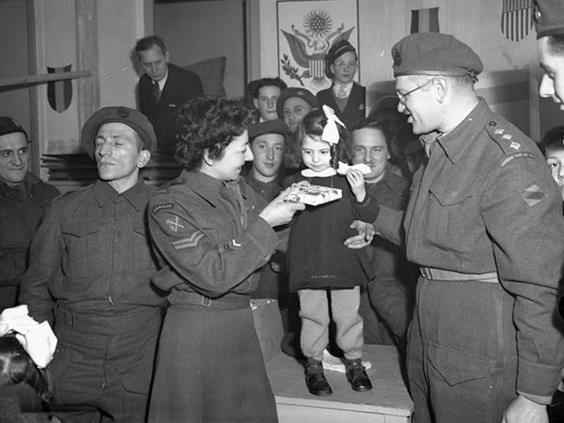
pixel 341 93
pixel 156 92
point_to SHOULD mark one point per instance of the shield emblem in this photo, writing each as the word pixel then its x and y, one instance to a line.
pixel 59 93
pixel 516 18
pixel 425 20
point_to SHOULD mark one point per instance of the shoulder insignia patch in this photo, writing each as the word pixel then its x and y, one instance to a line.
pixel 174 223
pixel 516 156
pixel 533 195
pixel 191 242
pixel 161 207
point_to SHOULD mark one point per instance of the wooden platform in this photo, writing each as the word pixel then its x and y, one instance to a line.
pixel 387 402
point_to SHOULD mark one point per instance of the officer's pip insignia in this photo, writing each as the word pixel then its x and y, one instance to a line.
pixel 533 195
pixel 515 145
pixel 507 136
pixel 174 223
pixel 191 242
pixel 499 131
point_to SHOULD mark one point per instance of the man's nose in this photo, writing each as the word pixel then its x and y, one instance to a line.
pixel 546 88
pixel 270 153
pixel 17 159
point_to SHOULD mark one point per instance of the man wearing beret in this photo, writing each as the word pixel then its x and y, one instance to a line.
pixel 484 345
pixel 23 201
pixel 89 276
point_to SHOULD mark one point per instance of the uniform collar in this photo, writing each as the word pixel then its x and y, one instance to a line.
pixel 456 141
pixel 20 190
pixel 137 195
pixel 207 186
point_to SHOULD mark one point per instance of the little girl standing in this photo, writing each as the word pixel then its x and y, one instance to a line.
pixel 322 269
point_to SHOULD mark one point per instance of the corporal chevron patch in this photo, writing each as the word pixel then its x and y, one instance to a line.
pixel 230 246
pixel 533 195
pixel 191 242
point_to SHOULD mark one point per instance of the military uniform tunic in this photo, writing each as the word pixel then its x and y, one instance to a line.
pixel 386 304
pixel 90 272
pixel 21 211
pixel 210 366
pixel 485 203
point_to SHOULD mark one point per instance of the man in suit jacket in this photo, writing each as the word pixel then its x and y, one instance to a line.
pixel 163 89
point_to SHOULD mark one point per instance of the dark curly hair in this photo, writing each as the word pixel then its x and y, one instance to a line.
pixel 255 86
pixel 17 367
pixel 553 140
pixel 313 124
pixel 209 123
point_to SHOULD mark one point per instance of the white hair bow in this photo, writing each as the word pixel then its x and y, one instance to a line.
pixel 331 132
pixel 37 339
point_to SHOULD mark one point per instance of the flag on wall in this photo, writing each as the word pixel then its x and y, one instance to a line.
pixel 516 19
pixel 425 20
pixel 59 93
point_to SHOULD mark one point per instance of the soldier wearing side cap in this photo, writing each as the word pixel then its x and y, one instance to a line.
pixel 23 201
pixel 90 271
pixel 484 344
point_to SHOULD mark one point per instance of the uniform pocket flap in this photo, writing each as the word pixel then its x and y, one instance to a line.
pixel 82 228
pixel 457 367
pixel 448 197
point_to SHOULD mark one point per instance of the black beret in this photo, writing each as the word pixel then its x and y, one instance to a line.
pixel 276 126
pixel 9 126
pixel 549 17
pixel 130 117
pixel 432 53
pixel 295 92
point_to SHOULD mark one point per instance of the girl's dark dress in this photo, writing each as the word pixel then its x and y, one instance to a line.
pixel 317 255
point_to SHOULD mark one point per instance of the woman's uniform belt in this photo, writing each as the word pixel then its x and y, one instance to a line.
pixel 448 275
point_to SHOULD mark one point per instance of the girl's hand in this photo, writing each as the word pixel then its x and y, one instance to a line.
pixel 356 181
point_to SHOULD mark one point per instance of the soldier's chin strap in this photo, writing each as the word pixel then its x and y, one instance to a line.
pixel 37 339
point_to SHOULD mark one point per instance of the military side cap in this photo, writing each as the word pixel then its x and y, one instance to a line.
pixel 432 53
pixel 295 92
pixel 130 117
pixel 9 126
pixel 276 126
pixel 549 17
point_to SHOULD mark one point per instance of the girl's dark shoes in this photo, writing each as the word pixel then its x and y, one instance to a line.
pixel 356 375
pixel 315 379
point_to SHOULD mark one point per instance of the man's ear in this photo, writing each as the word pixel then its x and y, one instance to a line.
pixel 167 56
pixel 441 87
pixel 256 103
pixel 143 159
